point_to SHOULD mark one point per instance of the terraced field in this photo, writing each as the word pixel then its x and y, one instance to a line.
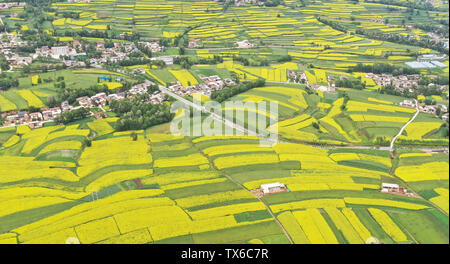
pixel 89 182
pixel 168 189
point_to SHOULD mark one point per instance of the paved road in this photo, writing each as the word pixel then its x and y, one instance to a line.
pixel 386 148
pixel 391 148
pixel 281 46
pixel 217 117
pixel 251 132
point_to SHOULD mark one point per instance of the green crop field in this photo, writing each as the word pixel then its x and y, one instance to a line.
pixel 352 116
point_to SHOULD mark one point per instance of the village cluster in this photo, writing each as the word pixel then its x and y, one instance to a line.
pixel 99 100
pixel 8 44
pixel 72 55
pixel 210 84
pixel 431 109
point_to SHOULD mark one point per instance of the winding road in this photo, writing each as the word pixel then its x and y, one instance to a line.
pixel 244 130
pixel 391 147
pixel 217 117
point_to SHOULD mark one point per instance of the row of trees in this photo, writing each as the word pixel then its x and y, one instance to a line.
pixel 251 62
pixel 441 80
pixel 350 83
pixel 187 62
pixel 71 116
pixel 134 61
pixel 134 113
pixel 346 98
pixel 423 90
pixel 335 25
pixel 144 49
pixel 379 68
pixel 4 65
pixel 7 83
pixel 441 28
pixel 397 38
pixel 228 92
pixel 424 5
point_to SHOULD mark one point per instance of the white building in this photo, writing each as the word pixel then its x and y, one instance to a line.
pixel 56 52
pixel 244 44
pixel 168 60
pixel 273 188
pixel 389 187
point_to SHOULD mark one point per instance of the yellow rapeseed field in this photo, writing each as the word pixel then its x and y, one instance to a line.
pixel 227 149
pixel 344 226
pixel 97 230
pixel 384 202
pixel 424 172
pixel 198 200
pixel 31 98
pixel 315 227
pixel 388 225
pixel 11 141
pixel 71 144
pixel 442 200
pixel 137 219
pixel 116 177
pixel 293 228
pixel 141 236
pixel 188 160
pixel 356 223
pixel 243 160
pixel 109 152
pixel 227 210
pixel 313 203
pixel 185 77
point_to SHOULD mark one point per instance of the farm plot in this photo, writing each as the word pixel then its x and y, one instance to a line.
pixel 110 152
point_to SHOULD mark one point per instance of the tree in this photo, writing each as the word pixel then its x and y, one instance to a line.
pixel 52 101
pixel 134 136
pixel 71 116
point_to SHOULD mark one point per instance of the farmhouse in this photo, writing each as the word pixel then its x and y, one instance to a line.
pixel 427 109
pixel 50 113
pixel 84 101
pixel 168 60
pixel 140 88
pixel 297 77
pixel 194 43
pixel 390 187
pixel 322 88
pixel 118 96
pixel 407 103
pixel 65 106
pixel 273 188
pixel 245 44
pixel 153 46
pixel 157 98
pixel 56 52
pixel 19 60
pixel 395 189
pixel 99 99
pixel 36 116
